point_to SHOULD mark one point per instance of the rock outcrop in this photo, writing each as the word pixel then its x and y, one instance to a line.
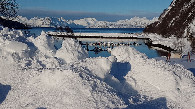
pixel 178 20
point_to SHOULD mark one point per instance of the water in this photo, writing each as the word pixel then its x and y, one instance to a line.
pixel 138 44
pixel 37 31
pixel 108 30
pixel 106 44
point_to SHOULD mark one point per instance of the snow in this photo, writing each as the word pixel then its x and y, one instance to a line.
pixel 134 22
pixel 158 78
pixel 87 22
pixel 168 9
pixel 39 76
pixel 41 79
pixel 182 61
pixel 192 28
pixel 173 42
pixel 71 51
pixel 18 46
pixel 44 44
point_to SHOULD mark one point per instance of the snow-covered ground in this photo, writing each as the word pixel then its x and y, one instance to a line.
pixel 179 44
pixel 134 22
pixel 182 61
pixel 36 75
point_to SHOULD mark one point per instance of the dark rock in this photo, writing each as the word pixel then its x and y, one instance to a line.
pixel 174 20
pixel 12 24
pixel 193 44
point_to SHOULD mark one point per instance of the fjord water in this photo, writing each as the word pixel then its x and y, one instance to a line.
pixel 108 30
pixel 139 44
pixel 37 30
pixel 106 45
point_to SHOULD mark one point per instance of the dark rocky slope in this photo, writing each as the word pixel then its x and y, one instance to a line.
pixel 12 24
pixel 175 20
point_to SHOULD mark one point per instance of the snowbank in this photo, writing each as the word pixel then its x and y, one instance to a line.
pixel 157 79
pixel 36 75
pixel 42 80
pixel 71 51
pixel 182 61
pixel 45 44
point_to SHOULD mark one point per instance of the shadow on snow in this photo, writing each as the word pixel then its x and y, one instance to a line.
pixel 192 70
pixel 4 89
pixel 126 92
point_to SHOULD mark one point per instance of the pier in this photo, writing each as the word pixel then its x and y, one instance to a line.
pixel 147 41
pixel 102 37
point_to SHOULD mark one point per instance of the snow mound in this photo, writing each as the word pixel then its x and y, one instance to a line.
pixel 158 79
pixel 40 79
pixel 16 47
pixel 71 51
pixel 45 44
pixel 36 75
pixel 59 88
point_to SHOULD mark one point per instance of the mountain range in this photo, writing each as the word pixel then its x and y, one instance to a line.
pixel 134 22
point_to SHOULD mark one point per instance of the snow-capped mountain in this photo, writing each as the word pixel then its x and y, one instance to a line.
pixel 178 19
pixel 87 22
pixel 135 22
pixel 41 22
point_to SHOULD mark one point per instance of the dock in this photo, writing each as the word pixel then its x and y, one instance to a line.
pixel 101 37
pixel 148 41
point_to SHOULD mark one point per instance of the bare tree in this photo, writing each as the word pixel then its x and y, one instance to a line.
pixel 8 8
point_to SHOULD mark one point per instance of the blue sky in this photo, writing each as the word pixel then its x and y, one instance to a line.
pixel 109 10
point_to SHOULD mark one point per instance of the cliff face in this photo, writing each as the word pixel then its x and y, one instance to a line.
pixel 178 20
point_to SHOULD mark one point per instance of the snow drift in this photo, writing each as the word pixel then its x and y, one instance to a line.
pixel 36 75
pixel 158 79
pixel 40 79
